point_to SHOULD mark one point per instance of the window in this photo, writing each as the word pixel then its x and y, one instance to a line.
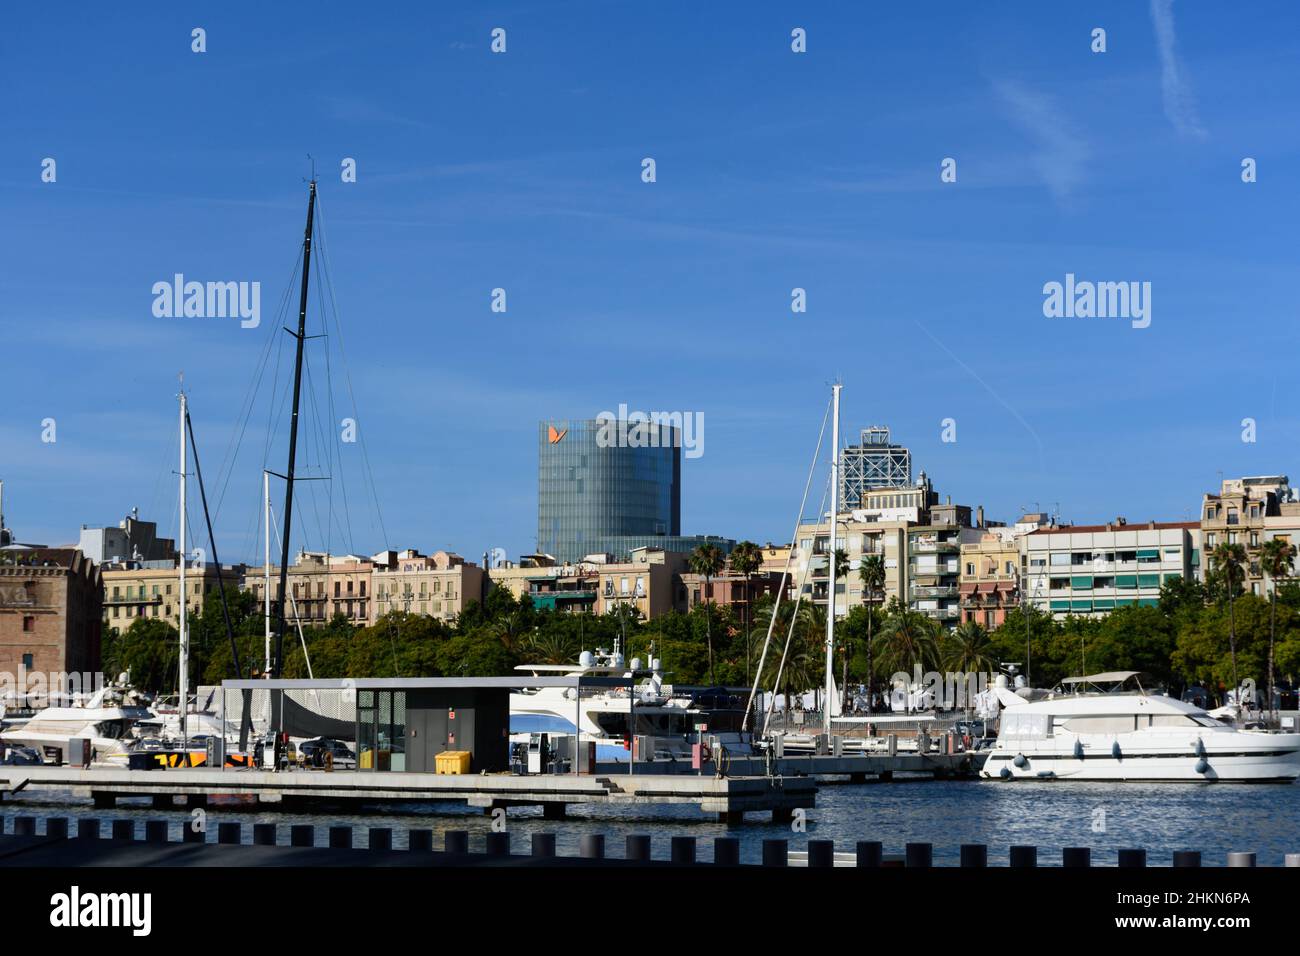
pixel 1233 516
pixel 1209 540
pixel 29 623
pixel 1061 560
pixel 1254 539
pixel 970 568
pixel 27 661
pixel 1118 724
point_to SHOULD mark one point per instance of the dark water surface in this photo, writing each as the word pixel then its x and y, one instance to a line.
pixel 1214 819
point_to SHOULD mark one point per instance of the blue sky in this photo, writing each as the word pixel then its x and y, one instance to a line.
pixel 775 170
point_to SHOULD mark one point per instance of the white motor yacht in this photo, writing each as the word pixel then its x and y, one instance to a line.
pixel 106 718
pixel 1109 727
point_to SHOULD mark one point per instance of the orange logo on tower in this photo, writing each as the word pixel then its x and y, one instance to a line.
pixel 556 435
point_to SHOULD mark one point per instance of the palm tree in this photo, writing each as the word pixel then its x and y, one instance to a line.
pixel 872 574
pixel 747 558
pixel 803 661
pixel 1275 560
pixel 1230 560
pixel 841 573
pixel 707 560
pixel 907 640
pixel 968 650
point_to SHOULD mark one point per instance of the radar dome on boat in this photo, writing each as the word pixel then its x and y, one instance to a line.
pixel 656 664
pixel 586 659
pixel 636 663
pixel 1000 680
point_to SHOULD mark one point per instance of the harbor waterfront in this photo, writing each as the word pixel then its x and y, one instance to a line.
pixel 1161 819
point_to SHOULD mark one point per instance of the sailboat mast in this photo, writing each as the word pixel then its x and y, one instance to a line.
pixel 830 558
pixel 266 567
pixel 183 666
pixel 293 430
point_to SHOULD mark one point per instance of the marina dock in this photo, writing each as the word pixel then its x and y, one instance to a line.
pixel 730 797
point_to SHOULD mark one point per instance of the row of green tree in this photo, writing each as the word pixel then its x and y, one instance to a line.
pixel 1209 634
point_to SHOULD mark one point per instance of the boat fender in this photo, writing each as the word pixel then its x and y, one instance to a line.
pixel 1115 751
pixel 1200 747
pixel 1020 761
pixel 1202 765
pixel 1078 749
pixel 1004 773
pixel 1046 773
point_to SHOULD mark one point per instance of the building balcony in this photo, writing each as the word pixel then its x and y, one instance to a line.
pixel 932 546
pixel 124 601
pixel 935 591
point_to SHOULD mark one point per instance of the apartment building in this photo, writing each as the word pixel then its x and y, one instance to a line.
pixel 135 589
pixel 1093 569
pixel 321 585
pixel 989 581
pixel 439 585
pixel 1250 511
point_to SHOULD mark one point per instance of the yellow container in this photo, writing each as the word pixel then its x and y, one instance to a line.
pixel 369 761
pixel 452 761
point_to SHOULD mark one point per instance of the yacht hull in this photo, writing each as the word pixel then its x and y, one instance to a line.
pixel 1272 758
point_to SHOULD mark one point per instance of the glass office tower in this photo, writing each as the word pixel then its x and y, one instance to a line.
pixel 597 481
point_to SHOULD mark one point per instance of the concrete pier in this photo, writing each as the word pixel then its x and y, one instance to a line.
pixel 302 789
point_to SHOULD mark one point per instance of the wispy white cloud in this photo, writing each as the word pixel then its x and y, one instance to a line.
pixel 1063 152
pixel 1180 103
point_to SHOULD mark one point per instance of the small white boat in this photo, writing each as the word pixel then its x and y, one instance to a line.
pixel 1108 727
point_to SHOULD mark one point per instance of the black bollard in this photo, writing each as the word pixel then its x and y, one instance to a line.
pixel 1131 859
pixel 123 830
pixel 638 848
pixel 302 834
pixel 870 853
pixel 1187 858
pixel 87 828
pixel 421 840
pixel 456 841
pixel 974 855
pixel 683 849
pixel 230 834
pixel 381 838
pixel 591 846
pixel 340 838
pixel 1241 859
pixel 191 835
pixel 1076 857
pixel 57 827
pixel 726 851
pixel 544 845
pixel 498 844
pixel 918 854
pixel 1024 857
pixel 24 826
pixel 155 831
pixel 263 834
pixel 821 853
pixel 776 853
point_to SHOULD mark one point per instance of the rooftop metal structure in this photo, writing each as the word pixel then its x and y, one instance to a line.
pixel 873 463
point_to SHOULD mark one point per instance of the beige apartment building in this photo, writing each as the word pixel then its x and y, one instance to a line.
pixel 1249 511
pixel 153 589
pixel 439 585
pixel 649 582
pixel 989 582
pixel 321 585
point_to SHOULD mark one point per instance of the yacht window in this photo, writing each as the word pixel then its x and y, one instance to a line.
pixel 1204 721
pixel 1171 720
pixel 1110 724
pixel 1025 725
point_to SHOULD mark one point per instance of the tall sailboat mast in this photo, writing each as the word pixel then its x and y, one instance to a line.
pixel 266 567
pixel 829 692
pixel 183 665
pixel 301 336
